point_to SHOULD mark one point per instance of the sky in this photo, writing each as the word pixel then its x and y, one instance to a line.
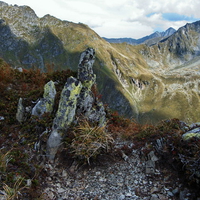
pixel 119 18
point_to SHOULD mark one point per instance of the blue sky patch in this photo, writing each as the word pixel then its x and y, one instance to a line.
pixel 150 14
pixel 176 17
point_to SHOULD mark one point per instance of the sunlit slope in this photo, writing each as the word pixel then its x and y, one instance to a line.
pixel 146 83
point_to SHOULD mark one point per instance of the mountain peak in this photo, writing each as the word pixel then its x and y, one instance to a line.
pixel 149 39
pixel 168 32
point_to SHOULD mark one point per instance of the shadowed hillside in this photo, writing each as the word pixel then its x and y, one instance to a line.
pixel 148 83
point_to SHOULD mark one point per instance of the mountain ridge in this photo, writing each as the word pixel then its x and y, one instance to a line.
pixel 149 40
pixel 144 82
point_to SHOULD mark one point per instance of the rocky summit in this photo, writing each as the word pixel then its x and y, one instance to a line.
pixel 144 82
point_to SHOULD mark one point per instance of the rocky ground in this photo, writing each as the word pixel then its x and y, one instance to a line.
pixel 129 177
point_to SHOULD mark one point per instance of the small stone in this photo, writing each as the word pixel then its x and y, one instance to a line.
pixel 152 156
pixel 98 173
pixel 49 178
pixel 101 179
pixel 155 190
pixel 162 197
pixel 28 182
pixel 122 197
pixel 2 118
pixel 166 189
pixel 154 197
pixel 58 185
pixel 128 194
pixel 175 191
pixel 120 184
pixel 61 190
pixel 64 173
pixel 170 194
pixel 144 182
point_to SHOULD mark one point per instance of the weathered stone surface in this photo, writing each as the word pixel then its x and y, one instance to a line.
pixel 68 103
pixel 20 116
pixel 87 78
pixel 88 105
pixel 191 134
pixel 65 114
pixel 78 99
pixel 53 143
pixel 150 163
pixel 45 105
pixel 85 71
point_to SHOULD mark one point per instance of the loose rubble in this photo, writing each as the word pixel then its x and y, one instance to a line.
pixel 131 177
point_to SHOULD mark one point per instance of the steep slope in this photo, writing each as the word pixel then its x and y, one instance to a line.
pixel 180 48
pixel 175 64
pixel 28 41
pixel 148 83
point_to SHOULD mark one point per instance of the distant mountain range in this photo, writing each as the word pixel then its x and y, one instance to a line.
pixel 149 40
pixel 159 78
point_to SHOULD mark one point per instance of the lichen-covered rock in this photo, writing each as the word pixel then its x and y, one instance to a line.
pixel 85 71
pixel 45 105
pixel 191 134
pixel 20 116
pixel 88 105
pixel 68 103
pixel 65 114
pixel 77 99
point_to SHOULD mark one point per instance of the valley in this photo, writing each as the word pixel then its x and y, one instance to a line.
pixel 146 83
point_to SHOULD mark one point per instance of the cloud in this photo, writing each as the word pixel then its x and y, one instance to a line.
pixel 120 18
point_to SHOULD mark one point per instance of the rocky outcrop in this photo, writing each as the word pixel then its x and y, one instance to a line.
pixel 68 104
pixel 65 114
pixel 78 100
pixel 45 105
pixel 89 104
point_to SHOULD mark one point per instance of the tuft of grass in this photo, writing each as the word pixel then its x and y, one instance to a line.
pixel 13 192
pixel 90 141
pixel 4 160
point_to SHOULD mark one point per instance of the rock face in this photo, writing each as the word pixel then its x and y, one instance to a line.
pixel 88 104
pixel 20 116
pixel 64 116
pixel 45 105
pixel 68 103
pixel 76 99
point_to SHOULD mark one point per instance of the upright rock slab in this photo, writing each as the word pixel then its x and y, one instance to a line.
pixel 65 114
pixel 68 103
pixel 89 105
pixel 45 105
pixel 20 115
